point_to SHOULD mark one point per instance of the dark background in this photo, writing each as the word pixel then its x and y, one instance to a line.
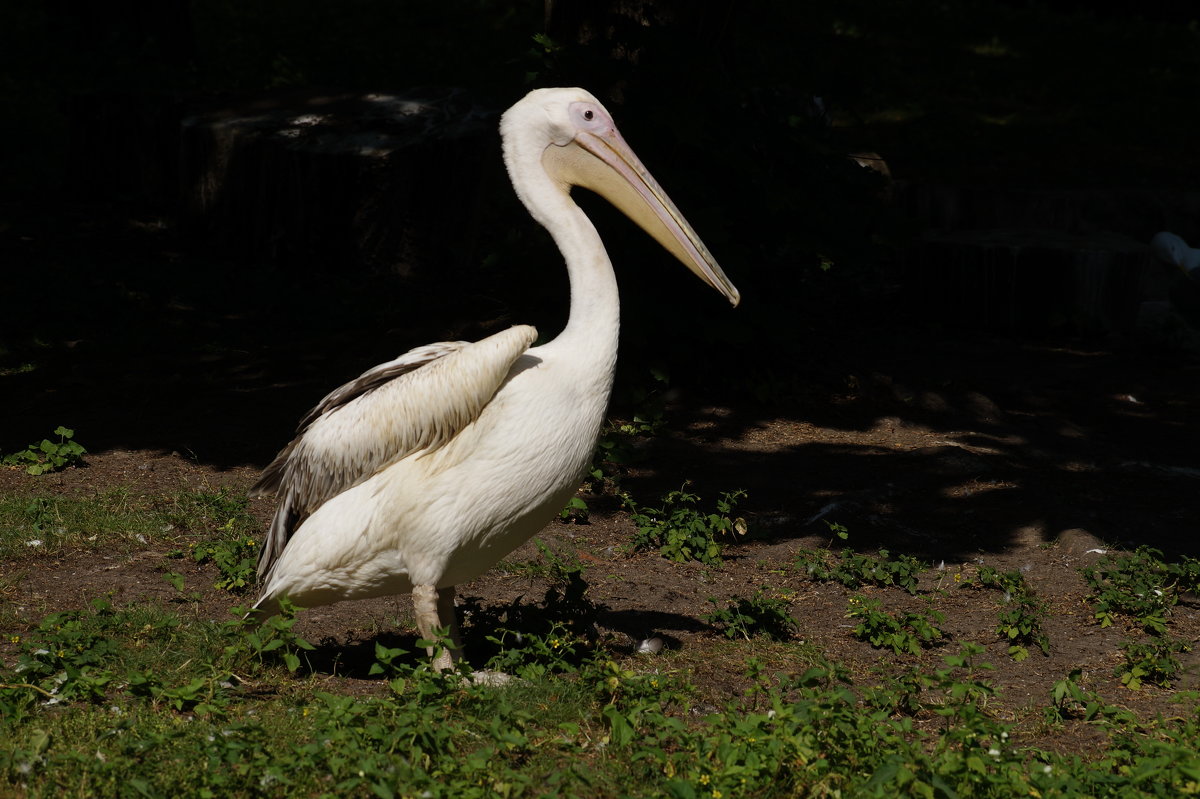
pixel 126 317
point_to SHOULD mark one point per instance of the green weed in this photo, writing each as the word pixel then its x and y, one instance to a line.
pixel 80 655
pixel 1141 585
pixel 649 406
pixel 48 456
pixel 761 614
pixel 1186 574
pixel 236 561
pixel 540 638
pixel 680 532
pixel 254 643
pixel 1138 585
pixel 1020 623
pixel 905 632
pixel 854 570
pixel 1010 582
pixel 1069 700
pixel 533 655
pixel 619 442
pixel 960 681
pixel 68 657
pixel 575 511
pixel 1021 613
pixel 1152 662
pixel 563 570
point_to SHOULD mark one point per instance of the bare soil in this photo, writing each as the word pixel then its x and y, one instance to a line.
pixel 1030 456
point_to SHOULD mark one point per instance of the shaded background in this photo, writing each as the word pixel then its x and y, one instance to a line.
pixel 145 323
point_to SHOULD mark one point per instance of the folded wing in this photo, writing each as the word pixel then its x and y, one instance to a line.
pixel 415 403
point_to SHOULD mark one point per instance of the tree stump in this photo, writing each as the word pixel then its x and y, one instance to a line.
pixel 375 182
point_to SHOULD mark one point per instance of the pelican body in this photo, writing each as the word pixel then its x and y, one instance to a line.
pixel 428 469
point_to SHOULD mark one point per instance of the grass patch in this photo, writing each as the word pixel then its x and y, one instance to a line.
pixel 207 511
pixel 49 524
pixel 225 721
pixel 144 701
pixel 116 520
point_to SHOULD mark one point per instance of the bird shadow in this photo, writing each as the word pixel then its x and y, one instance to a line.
pixel 358 658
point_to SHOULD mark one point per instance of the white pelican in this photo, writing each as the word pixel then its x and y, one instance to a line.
pixel 426 470
pixel 1171 249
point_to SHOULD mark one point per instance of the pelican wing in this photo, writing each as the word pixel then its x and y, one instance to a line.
pixel 412 404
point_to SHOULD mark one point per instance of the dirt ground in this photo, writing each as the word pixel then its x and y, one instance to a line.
pixel 1015 455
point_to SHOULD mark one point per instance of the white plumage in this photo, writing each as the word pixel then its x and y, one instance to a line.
pixel 428 469
pixel 1171 249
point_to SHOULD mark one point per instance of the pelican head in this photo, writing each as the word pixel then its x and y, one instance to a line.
pixel 558 138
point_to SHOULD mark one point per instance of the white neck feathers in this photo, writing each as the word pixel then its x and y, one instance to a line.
pixel 594 323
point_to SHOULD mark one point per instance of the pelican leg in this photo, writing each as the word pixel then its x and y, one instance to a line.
pixel 445 609
pixel 435 610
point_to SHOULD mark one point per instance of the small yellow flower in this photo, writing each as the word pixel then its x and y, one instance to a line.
pixel 704 779
pixel 14 639
pixel 716 794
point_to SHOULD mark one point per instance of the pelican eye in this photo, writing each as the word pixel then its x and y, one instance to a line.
pixel 589 115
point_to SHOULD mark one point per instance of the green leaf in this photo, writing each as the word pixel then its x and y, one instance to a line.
pixel 39 741
pixel 681 789
pixel 141 786
pixel 620 731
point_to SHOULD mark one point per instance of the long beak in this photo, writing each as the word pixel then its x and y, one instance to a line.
pixel 616 174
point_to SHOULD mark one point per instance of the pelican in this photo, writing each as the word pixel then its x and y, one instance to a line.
pixel 428 469
pixel 1171 249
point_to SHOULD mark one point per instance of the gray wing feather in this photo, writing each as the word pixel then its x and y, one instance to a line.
pixel 416 402
pixel 277 473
